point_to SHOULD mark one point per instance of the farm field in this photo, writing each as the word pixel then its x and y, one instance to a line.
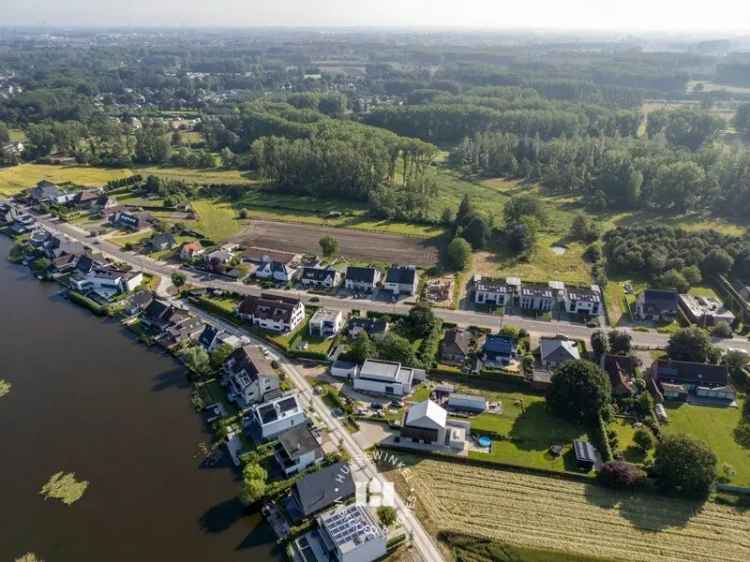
pixel 529 430
pixel 353 244
pixel 574 518
pixel 216 221
pixel 189 175
pixel 17 178
pixel 716 427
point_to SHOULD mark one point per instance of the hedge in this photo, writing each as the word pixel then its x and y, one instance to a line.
pixel 86 302
pixel 599 434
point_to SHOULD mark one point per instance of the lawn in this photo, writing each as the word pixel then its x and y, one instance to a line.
pixel 17 178
pixel 716 427
pixel 625 433
pixel 525 432
pixel 421 393
pixel 134 238
pixel 216 221
pixel 188 175
pixel 17 135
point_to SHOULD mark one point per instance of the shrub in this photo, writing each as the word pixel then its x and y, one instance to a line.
pixel 644 439
pixel 387 515
pixel 621 475
pixel 722 330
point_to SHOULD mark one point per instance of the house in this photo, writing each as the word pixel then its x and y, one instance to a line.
pixel 467 403
pixel 387 378
pixel 297 450
pixel 344 369
pixel 218 260
pixel 161 241
pixel 498 351
pixel 683 380
pixel 190 250
pixel 493 291
pixel 656 305
pixel 556 351
pixel 274 417
pixel 107 281
pixel 277 314
pixel 64 263
pixel 621 371
pixel 536 297
pixel 85 264
pixel 249 375
pixel 347 533
pixel 212 338
pixel 584 300
pixel 320 277
pixel 86 199
pixel 706 311
pixel 320 490
pixel 586 455
pixel 259 256
pixel 402 280
pixel 276 271
pixel 158 316
pixel 427 423
pixel 105 201
pixel 362 279
pixel 50 193
pixel 184 328
pixel 456 346
pixel 373 327
pixel 326 323
pixel 138 302
pixel 128 221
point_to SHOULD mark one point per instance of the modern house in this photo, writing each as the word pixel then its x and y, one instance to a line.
pixel 277 314
pixel 467 403
pixel 493 291
pixel 128 221
pixel 191 250
pixel 536 297
pixel 373 327
pixel 161 241
pixel 274 417
pixel 583 300
pixel 219 260
pixel 656 305
pixel 387 378
pixel 427 423
pixel 456 346
pixel 249 375
pixel 276 271
pixel 686 380
pixel 326 323
pixel 402 279
pixel 50 193
pixel 320 277
pixel 297 449
pixel 554 352
pixel 345 534
pixel 706 311
pixel 621 371
pixel 362 279
pixel 344 369
pixel 499 351
pixel 320 490
pixel 185 328
pixel 212 338
pixel 107 281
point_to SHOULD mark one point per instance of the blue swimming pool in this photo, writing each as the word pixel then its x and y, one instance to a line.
pixel 485 441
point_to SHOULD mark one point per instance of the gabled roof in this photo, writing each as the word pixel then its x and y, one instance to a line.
pixel 318 274
pixel 208 336
pixel 584 451
pixel 369 325
pixel 401 274
pixel 156 310
pixel 457 340
pixel 687 372
pixel 558 349
pixel 319 490
pixel 499 344
pixel 427 414
pixel 251 361
pixel 269 308
pixel 361 274
pixel 657 299
pixel 163 238
pixel 299 441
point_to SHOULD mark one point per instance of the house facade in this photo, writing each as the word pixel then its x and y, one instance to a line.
pixel 298 449
pixel 249 376
pixel 388 378
pixel 373 327
pixel 683 380
pixel 656 305
pixel 499 351
pixel 277 314
pixel 536 297
pixel 276 271
pixel 493 291
pixel 274 417
pixel 402 280
pixel 583 300
pixel 321 278
pixel 326 323
pixel 362 279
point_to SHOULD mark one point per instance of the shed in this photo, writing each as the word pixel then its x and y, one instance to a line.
pixel 586 454
pixel 467 402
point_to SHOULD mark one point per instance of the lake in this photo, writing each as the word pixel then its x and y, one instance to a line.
pixel 87 398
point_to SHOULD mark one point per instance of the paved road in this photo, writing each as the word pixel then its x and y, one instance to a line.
pixel 423 542
pixel 651 339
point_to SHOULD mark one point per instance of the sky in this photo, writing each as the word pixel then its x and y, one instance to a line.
pixel 630 15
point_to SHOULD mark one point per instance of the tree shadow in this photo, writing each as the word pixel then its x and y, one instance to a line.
pixel 173 378
pixel 634 455
pixel 646 512
pixel 536 429
pixel 222 516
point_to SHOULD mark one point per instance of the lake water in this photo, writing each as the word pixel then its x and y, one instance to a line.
pixel 88 399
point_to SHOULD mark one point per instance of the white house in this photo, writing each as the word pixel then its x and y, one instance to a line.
pixel 402 280
pixel 107 281
pixel 275 271
pixel 584 300
pixel 388 378
pixel 492 291
pixel 277 314
pixel 249 375
pixel 351 534
pixel 320 277
pixel 362 279
pixel 427 423
pixel 298 449
pixel 326 322
pixel 274 417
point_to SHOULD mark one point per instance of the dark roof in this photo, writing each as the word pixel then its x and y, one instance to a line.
pixel 659 300
pixel 403 275
pixel 456 340
pixel 499 344
pixel 142 299
pixel 361 274
pixel 318 273
pixel 558 349
pixel 298 441
pixel 323 488
pixel 584 451
pixel 162 238
pixel 156 310
pixel 208 336
pixel 269 307
pixel 85 264
pixel 536 290
pixel 250 360
pixel 369 325
pixel 687 372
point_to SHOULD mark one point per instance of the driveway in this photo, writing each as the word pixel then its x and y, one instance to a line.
pixel 371 433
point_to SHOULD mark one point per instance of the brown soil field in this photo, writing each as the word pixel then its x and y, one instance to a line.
pixel 353 244
pixel 576 518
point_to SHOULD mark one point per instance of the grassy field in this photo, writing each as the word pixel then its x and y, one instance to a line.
pixel 216 221
pixel 211 175
pixel 573 518
pixel 18 178
pixel 17 135
pixel 716 427
pixel 130 238
pixel 626 443
pixel 528 430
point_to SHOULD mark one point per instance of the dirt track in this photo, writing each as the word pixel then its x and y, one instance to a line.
pixel 353 244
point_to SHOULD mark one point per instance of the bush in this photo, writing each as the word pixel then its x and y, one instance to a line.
pixel 621 475
pixel 722 330
pixel 644 439
pixel 387 515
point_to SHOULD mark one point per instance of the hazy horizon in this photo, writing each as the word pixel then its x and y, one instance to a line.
pixel 574 15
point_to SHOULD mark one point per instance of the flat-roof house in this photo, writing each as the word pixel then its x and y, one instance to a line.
pixel 493 291
pixel 467 402
pixel 320 277
pixel 680 380
pixel 373 327
pixel 706 311
pixel 249 375
pixel 351 534
pixel 344 369
pixel 277 314
pixel 537 297
pixel 320 490
pixel 362 279
pixel 326 323
pixel 584 300
pixel 556 351
pixel 107 281
pixel 388 378
pixel 456 346
pixel 656 305
pixel 274 417
pixel 402 279
pixel 297 450
pixel 621 371
pixel 499 351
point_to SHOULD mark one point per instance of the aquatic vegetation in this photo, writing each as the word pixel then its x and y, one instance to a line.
pixel 4 387
pixel 64 487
